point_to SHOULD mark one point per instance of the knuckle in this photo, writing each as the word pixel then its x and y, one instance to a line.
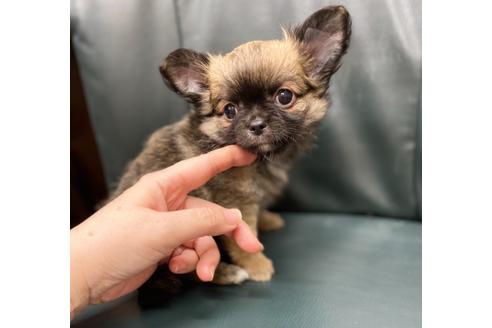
pixel 154 180
pixel 215 253
pixel 146 178
pixel 211 216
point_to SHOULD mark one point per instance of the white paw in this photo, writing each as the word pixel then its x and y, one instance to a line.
pixel 229 274
pixel 239 276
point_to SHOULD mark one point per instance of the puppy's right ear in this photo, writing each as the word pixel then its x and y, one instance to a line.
pixel 184 71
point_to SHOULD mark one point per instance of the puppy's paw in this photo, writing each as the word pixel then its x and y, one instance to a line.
pixel 258 266
pixel 229 274
pixel 269 221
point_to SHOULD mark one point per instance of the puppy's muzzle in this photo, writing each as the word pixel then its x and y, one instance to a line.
pixel 257 126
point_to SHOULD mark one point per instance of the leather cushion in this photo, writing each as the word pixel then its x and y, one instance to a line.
pixel 331 271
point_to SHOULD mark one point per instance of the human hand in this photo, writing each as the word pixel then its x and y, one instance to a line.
pixel 155 221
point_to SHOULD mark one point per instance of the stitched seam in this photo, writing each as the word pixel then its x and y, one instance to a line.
pixel 417 164
pixel 178 23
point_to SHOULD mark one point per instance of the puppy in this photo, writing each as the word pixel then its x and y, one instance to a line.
pixel 265 96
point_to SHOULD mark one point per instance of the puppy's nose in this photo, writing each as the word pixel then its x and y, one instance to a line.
pixel 257 126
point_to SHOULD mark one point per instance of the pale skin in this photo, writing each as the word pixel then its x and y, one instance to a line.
pixel 117 249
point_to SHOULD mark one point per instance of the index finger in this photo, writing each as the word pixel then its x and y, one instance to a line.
pixel 193 173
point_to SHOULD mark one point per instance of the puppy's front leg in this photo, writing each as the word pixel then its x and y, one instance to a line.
pixel 258 266
pixel 269 221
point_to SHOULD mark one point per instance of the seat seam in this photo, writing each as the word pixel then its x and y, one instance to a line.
pixel 177 19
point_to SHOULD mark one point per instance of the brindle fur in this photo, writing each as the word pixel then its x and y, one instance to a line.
pixel 249 77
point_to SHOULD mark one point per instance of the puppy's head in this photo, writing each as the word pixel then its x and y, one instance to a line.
pixel 264 95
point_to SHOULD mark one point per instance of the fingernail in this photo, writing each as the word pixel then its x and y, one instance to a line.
pixel 176 268
pixel 262 247
pixel 212 272
pixel 233 215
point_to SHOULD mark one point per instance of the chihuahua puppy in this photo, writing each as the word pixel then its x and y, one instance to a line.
pixel 265 96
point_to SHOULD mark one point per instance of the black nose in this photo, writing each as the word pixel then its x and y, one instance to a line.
pixel 257 126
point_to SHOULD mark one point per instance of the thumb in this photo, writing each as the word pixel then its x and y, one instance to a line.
pixel 188 224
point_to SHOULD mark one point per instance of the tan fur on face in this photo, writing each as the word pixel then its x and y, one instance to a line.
pixel 267 62
pixel 213 126
pixel 314 107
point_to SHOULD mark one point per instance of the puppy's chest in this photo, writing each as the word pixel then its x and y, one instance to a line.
pixel 273 177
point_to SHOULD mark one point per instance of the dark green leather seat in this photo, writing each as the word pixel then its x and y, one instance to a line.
pixel 361 268
pixel 332 271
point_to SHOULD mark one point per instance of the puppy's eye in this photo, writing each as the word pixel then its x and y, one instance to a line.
pixel 284 97
pixel 230 111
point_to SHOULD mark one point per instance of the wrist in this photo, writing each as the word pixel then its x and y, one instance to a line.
pixel 79 289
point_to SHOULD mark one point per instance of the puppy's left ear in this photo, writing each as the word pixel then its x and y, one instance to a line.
pixel 184 71
pixel 324 38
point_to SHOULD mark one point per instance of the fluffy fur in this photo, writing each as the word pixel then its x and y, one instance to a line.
pixel 249 78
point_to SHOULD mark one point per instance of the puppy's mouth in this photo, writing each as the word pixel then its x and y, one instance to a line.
pixel 265 144
pixel 263 148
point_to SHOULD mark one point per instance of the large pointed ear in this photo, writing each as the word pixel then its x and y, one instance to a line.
pixel 184 71
pixel 324 38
